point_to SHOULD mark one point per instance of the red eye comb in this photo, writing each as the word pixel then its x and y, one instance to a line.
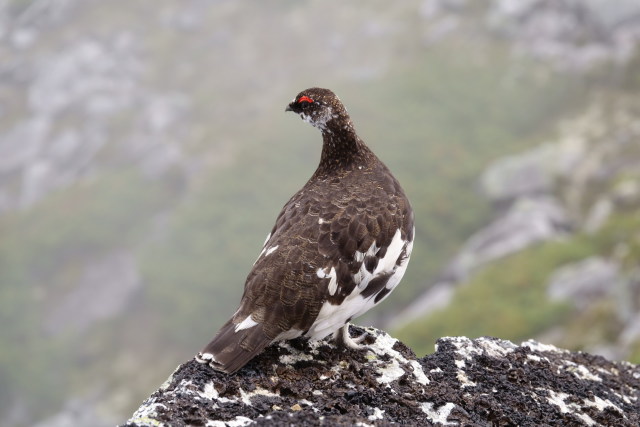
pixel 305 99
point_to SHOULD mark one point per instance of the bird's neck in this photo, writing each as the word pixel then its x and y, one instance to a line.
pixel 341 147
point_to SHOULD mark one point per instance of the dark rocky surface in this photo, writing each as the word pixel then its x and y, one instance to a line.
pixel 485 381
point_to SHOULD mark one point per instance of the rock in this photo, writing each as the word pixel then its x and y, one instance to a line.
pixel 485 381
pixel 528 221
pixel 631 333
pixel 76 100
pixel 533 172
pixel 573 35
pixel 598 215
pixel 585 281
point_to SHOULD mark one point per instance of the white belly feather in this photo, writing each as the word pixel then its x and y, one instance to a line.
pixel 332 317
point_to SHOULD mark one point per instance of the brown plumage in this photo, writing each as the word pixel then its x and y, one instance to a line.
pixel 339 246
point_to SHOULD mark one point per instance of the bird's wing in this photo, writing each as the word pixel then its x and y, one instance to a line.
pixel 325 249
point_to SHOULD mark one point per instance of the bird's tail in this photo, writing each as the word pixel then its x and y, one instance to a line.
pixel 233 347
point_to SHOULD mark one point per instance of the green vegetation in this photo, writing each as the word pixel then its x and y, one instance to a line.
pixel 42 253
pixel 508 299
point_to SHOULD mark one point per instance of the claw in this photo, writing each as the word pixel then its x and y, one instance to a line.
pixel 343 339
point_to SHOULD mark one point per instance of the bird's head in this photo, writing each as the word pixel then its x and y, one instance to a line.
pixel 318 107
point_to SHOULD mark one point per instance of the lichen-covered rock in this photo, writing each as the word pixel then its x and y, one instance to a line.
pixel 485 381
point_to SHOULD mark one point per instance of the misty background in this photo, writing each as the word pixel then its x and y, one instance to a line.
pixel 145 154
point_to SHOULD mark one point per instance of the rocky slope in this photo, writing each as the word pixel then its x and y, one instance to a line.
pixel 575 197
pixel 485 381
pixel 134 187
pixel 564 211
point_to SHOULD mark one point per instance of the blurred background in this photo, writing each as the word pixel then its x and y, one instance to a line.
pixel 145 153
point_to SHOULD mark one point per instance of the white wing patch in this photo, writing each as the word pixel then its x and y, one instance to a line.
pixel 362 276
pixel 397 275
pixel 264 248
pixel 333 279
pixel 271 249
pixel 247 323
pixel 333 317
pixel 388 262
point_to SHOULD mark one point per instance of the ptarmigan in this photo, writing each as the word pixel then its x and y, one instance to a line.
pixel 339 247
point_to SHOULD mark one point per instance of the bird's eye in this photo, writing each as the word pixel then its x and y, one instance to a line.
pixel 305 99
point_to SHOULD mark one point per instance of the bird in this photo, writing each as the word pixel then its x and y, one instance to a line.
pixel 339 246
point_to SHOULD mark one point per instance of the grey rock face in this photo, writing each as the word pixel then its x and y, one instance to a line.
pixel 533 172
pixel 529 220
pixel 584 281
pixel 574 35
pixel 73 123
pixel 485 381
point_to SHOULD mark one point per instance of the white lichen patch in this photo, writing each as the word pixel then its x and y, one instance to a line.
pixel 495 348
pixel 208 392
pixel 607 372
pixel 601 404
pixel 418 372
pixel 439 415
pixel 492 347
pixel 290 359
pixel 464 380
pixel 581 371
pixel 536 358
pixel 377 414
pixel 390 371
pixel 558 399
pixel 296 355
pixel 467 349
pixel 238 421
pixel 536 346
pixel 246 396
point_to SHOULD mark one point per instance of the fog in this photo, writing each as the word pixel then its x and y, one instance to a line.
pixel 145 154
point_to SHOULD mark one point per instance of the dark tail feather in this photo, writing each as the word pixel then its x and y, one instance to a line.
pixel 231 350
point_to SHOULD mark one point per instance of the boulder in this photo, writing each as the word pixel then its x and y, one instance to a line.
pixel 533 172
pixel 585 281
pixel 528 221
pixel 484 381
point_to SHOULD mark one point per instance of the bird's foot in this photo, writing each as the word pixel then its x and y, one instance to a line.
pixel 343 339
pixel 204 357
